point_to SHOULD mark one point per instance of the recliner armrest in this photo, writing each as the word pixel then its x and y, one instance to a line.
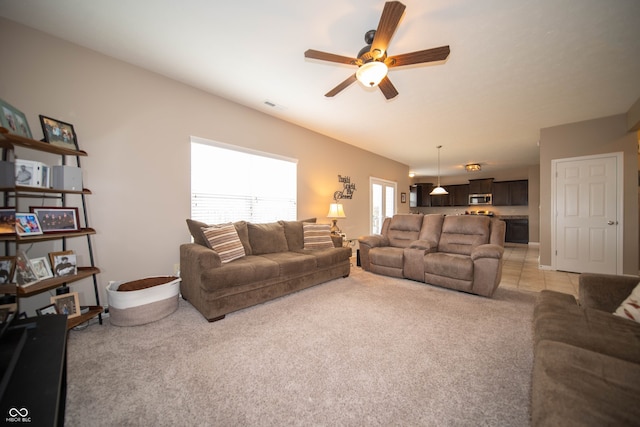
pixel 488 250
pixel 426 245
pixel 374 240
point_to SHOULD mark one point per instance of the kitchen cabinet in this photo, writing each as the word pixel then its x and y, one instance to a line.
pixel 517 230
pixel 480 186
pixel 511 193
pixel 458 196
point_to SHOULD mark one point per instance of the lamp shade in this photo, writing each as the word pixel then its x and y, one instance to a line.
pixel 372 73
pixel 336 211
pixel 438 191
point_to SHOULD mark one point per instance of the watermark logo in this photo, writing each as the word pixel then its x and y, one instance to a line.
pixel 18 415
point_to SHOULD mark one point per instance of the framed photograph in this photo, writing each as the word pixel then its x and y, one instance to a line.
pixel 24 274
pixel 7 266
pixel 403 197
pixel 68 304
pixel 63 263
pixel 59 133
pixel 41 267
pixel 54 219
pixel 7 221
pixel 47 309
pixel 31 173
pixel 14 120
pixel 27 224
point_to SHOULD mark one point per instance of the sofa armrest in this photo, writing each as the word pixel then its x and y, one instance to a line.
pixel 488 250
pixel 427 246
pixel 604 291
pixel 198 257
pixel 373 240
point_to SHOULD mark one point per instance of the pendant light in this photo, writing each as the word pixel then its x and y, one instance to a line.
pixel 438 190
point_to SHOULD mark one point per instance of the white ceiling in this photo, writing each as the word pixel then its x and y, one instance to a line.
pixel 516 66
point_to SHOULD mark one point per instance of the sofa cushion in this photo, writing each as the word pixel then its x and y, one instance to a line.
pixel 195 228
pixel 449 265
pixel 293 233
pixel 242 271
pixel 267 238
pixel 317 236
pixel 292 263
pixel 577 387
pixel 630 307
pixel 460 234
pixel 404 229
pixel 387 256
pixel 225 241
pixel 329 257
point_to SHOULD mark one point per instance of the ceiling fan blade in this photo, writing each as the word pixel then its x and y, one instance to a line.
pixel 388 89
pixel 389 20
pixel 324 56
pixel 341 86
pixel 428 55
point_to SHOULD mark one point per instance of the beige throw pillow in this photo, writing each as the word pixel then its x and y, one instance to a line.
pixel 630 308
pixel 225 241
pixel 317 236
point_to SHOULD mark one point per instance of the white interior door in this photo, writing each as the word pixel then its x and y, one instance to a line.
pixel 588 214
pixel 383 202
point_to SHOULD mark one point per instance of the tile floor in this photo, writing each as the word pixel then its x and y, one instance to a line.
pixel 521 271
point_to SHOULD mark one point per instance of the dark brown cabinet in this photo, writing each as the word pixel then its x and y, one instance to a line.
pixel 517 230
pixel 480 186
pixel 511 193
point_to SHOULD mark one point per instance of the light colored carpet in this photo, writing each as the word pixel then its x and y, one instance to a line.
pixel 363 351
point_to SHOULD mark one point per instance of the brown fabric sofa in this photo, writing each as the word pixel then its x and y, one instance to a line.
pixel 460 252
pixel 586 360
pixel 276 263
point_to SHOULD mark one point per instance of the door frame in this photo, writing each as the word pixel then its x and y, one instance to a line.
pixel 394 184
pixel 619 156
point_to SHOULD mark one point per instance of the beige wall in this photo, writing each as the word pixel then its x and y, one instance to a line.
pixel 599 136
pixel 136 127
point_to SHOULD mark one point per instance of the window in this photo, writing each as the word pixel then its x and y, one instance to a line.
pixel 230 183
pixel 383 197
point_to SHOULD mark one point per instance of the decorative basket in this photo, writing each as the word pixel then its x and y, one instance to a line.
pixel 142 301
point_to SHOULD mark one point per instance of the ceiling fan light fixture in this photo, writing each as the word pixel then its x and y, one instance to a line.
pixel 372 73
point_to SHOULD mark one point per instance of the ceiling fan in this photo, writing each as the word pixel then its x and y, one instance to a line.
pixel 373 62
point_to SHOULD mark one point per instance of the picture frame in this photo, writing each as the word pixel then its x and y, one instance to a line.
pixel 23 273
pixel 7 268
pixel 14 120
pixel 41 267
pixel 59 133
pixel 68 304
pixel 27 224
pixel 403 197
pixel 63 263
pixel 57 219
pixel 7 221
pixel 47 309
pixel 30 173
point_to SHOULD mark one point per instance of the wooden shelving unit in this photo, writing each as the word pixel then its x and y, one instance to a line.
pixel 8 142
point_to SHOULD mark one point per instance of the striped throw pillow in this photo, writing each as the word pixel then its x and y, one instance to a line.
pixel 225 241
pixel 317 236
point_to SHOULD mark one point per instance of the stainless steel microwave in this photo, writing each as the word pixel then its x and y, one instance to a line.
pixel 479 199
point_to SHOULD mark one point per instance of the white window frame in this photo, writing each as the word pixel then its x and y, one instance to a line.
pixel 286 208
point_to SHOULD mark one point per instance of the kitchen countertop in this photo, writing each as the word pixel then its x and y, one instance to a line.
pixel 512 216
